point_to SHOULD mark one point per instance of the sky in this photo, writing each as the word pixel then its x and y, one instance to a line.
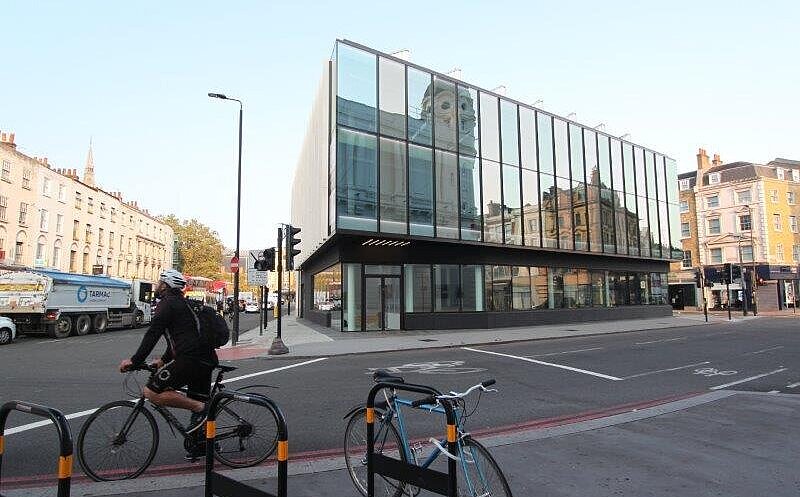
pixel 133 77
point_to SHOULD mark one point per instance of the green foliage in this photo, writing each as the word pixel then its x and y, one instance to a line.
pixel 199 247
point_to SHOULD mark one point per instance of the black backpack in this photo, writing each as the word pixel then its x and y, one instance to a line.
pixel 212 327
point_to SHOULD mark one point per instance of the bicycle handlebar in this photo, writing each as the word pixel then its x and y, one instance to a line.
pixel 483 386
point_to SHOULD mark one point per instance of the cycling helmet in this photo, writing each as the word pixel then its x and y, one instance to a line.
pixel 173 278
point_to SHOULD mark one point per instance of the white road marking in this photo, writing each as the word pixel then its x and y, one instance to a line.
pixel 793 385
pixel 30 426
pixel 561 366
pixel 39 424
pixel 764 350
pixel 774 391
pixel 290 366
pixel 566 352
pixel 665 370
pixel 747 379
pixel 660 341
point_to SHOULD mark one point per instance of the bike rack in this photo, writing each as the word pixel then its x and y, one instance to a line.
pixel 64 467
pixel 223 486
pixel 429 479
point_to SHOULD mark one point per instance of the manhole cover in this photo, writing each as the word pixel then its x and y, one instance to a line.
pixel 428 340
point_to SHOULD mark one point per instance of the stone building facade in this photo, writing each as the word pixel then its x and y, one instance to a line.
pixel 52 218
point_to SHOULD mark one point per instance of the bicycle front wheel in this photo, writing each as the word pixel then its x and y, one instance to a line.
pixel 387 442
pixel 247 434
pixel 479 473
pixel 117 442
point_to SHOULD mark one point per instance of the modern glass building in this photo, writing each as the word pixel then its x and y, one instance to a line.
pixel 429 203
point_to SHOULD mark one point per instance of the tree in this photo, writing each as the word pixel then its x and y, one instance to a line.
pixel 199 247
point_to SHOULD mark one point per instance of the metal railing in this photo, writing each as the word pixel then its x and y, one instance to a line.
pixel 64 466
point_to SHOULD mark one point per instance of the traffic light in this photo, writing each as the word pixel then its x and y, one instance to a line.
pixel 698 278
pixel 726 273
pixel 267 262
pixel 291 241
pixel 736 273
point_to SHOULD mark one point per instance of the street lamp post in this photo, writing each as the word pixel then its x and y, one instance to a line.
pixel 754 278
pixel 235 335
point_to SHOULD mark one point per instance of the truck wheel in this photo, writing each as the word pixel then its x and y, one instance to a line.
pixel 5 336
pixel 83 324
pixel 139 319
pixel 61 329
pixel 100 323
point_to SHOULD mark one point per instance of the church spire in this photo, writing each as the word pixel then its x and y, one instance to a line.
pixel 88 173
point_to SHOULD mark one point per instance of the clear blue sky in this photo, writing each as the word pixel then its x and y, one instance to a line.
pixel 134 77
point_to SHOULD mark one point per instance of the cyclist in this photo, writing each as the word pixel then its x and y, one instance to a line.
pixel 188 360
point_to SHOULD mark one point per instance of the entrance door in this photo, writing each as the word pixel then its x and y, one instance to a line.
pixel 382 306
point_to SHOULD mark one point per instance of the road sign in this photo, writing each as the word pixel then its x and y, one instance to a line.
pixel 257 278
pixel 252 257
pixel 234 264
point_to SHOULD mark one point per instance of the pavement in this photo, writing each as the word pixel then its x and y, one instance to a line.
pixel 736 444
pixel 719 442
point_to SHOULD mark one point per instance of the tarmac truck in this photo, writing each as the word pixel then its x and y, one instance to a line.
pixel 62 304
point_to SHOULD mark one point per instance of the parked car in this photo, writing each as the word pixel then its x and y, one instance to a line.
pixel 251 307
pixel 8 330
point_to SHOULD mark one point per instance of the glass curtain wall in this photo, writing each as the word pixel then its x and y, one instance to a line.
pixel 418 153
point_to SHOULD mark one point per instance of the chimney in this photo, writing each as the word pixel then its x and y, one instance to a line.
pixel 702 159
pixel 2 137
pixel 717 161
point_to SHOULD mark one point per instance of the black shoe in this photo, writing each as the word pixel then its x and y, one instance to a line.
pixel 197 419
pixel 196 452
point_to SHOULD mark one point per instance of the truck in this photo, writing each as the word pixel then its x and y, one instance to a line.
pixel 63 304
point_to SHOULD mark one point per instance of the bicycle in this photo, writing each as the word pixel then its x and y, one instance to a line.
pixel 120 439
pixel 480 475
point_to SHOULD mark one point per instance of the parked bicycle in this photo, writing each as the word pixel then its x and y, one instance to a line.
pixel 120 439
pixel 479 476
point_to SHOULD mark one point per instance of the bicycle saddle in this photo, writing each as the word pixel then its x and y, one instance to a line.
pixel 383 375
pixel 225 369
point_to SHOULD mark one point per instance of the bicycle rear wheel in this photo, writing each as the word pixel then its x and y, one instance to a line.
pixel 387 442
pixel 481 474
pixel 247 434
pixel 106 453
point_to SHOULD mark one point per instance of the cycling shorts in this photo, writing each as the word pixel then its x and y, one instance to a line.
pixel 183 372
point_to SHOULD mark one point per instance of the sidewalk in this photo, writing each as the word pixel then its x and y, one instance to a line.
pixel 305 339
pixel 720 443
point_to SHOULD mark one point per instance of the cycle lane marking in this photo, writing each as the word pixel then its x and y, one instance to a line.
pixel 793 385
pixel 39 424
pixel 744 380
pixel 646 373
pixel 543 363
pixel 764 350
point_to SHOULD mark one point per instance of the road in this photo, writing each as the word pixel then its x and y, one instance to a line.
pixel 536 379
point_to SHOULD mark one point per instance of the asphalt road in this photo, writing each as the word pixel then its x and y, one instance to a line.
pixel 536 379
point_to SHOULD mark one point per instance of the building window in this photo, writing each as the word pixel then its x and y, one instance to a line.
pixel 56 256
pixel 446 287
pixel 356 180
pixel 356 88
pixel 779 252
pixel 102 210
pixel 684 185
pixel 18 248
pixel 796 253
pixel 685 230
pixel 743 197
pixel 793 224
pixel 111 239
pixel 779 171
pixel 790 197
pixel 776 221
pixel 26 179
pixel 100 237
pixel 113 215
pixel 716 256
pixel 713 179
pixel 446 195
pixel 687 259
pixel 44 219
pixel 684 206
pixel 3 207
pixel 39 259
pixel 714 227
pixel 796 175
pixel 62 193
pixel 75 228
pixel 5 175
pixel 90 205
pixel 59 224
pixel 23 213
pixel 747 253
pixel 78 200
pixel 88 234
pixel 744 222
pixel 712 201
pixel 773 196
pixel 46 189
pixel 418 287
pixel 472 286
